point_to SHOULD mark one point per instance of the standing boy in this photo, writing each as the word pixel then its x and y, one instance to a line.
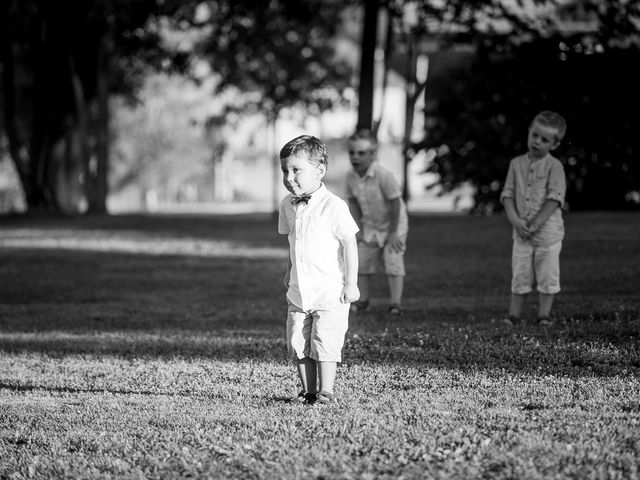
pixel 533 194
pixel 376 204
pixel 321 276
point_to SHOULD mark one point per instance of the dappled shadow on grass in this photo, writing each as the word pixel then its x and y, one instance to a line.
pixel 252 229
pixel 22 388
pixel 237 345
pixel 196 236
pixel 142 261
pixel 187 392
pixel 572 348
pixel 202 286
pixel 52 289
pixel 593 345
pixel 101 241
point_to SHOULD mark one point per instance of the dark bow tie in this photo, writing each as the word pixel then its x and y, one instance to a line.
pixel 301 199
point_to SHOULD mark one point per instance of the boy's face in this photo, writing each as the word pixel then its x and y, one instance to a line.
pixel 361 154
pixel 542 139
pixel 300 176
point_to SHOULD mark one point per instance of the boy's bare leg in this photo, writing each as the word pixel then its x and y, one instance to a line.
pixel 363 286
pixel 327 371
pixel 396 286
pixel 545 302
pixel 517 301
pixel 307 372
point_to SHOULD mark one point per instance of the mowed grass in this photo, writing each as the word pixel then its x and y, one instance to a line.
pixel 153 347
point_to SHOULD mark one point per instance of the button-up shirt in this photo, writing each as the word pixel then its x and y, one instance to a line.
pixel 530 184
pixel 373 192
pixel 317 259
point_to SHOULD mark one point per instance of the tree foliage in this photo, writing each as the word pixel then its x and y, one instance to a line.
pixel 60 62
pixel 481 116
pixel 158 149
pixel 281 52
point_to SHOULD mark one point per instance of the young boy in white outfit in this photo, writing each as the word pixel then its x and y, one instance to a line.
pixel 321 277
pixel 375 201
pixel 533 195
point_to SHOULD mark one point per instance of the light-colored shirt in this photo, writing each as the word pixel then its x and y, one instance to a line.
pixel 373 192
pixel 530 184
pixel 317 258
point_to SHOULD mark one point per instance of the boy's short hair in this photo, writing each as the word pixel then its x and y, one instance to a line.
pixel 364 134
pixel 314 149
pixel 554 120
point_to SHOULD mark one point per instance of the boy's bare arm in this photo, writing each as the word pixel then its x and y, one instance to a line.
pixel 394 212
pixel 393 240
pixel 518 223
pixel 287 274
pixel 350 292
pixel 355 210
pixel 543 215
pixel 356 213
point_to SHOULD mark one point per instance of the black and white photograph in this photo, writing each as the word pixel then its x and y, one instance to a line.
pixel 320 239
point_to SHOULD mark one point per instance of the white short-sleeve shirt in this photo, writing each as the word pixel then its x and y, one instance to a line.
pixel 530 184
pixel 317 259
pixel 373 192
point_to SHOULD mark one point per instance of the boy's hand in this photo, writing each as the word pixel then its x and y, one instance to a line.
pixel 532 227
pixel 286 280
pixel 524 233
pixel 350 293
pixel 521 228
pixel 395 243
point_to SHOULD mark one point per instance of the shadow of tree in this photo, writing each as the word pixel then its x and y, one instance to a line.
pixel 186 393
pixel 486 346
pixel 228 303
pixel 235 345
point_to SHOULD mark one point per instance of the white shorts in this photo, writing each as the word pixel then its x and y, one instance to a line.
pixel 370 255
pixel 539 264
pixel 317 334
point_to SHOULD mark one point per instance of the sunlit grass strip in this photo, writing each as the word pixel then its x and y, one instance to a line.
pixel 132 242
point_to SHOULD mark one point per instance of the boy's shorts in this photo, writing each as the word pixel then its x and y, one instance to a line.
pixel 539 263
pixel 369 257
pixel 318 334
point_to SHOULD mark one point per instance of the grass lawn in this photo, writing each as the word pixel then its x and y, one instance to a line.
pixel 153 347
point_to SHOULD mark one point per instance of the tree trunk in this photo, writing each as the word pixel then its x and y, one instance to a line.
pixel 410 105
pixel 65 170
pixel 82 130
pixel 388 51
pixel 98 203
pixel 367 62
pixel 17 147
pixel 277 175
pixel 41 141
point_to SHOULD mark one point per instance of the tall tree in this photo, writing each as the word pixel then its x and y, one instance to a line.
pixel 367 63
pixel 60 61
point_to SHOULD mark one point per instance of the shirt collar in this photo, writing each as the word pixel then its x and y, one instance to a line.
pixel 543 159
pixel 317 194
pixel 371 171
